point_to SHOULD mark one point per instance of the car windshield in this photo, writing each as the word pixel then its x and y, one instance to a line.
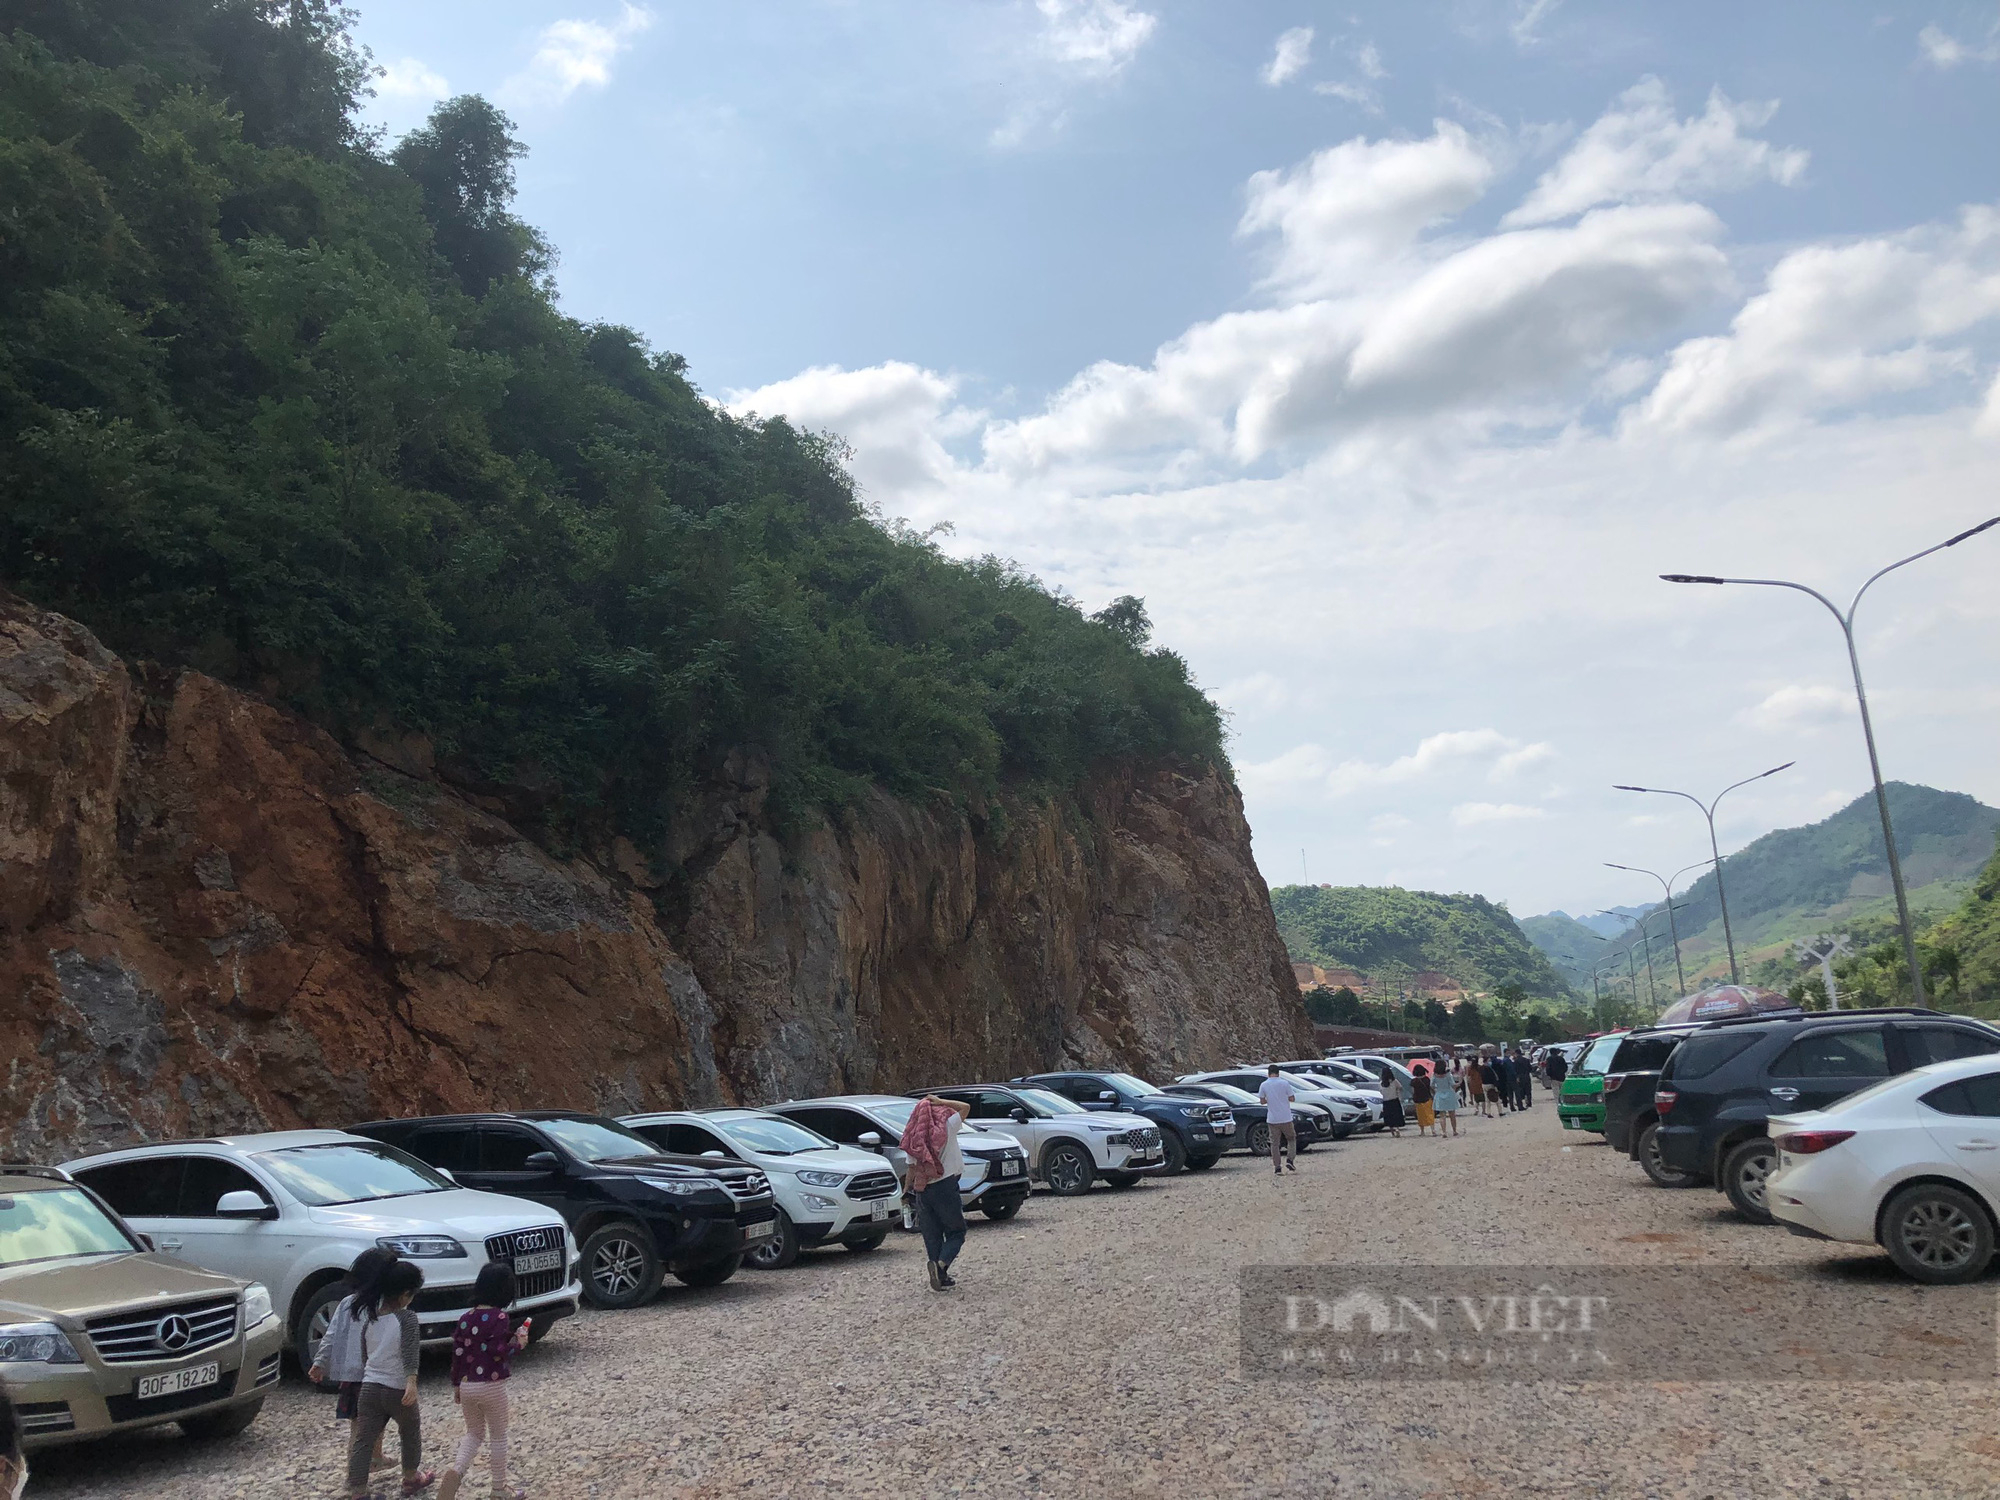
pixel 1598 1058
pixel 350 1172
pixel 1125 1083
pixel 773 1136
pixel 598 1140
pixel 896 1116
pixel 54 1224
pixel 1048 1103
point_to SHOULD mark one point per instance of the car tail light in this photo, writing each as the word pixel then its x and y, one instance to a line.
pixel 1811 1142
pixel 1663 1099
pixel 1612 1080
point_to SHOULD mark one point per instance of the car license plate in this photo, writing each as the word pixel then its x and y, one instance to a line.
pixel 1227 1127
pixel 761 1231
pixel 1011 1168
pixel 879 1209
pixel 541 1260
pixel 1569 1124
pixel 179 1380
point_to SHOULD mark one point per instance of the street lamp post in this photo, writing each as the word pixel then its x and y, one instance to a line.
pixel 1666 886
pixel 1652 987
pixel 1708 812
pixel 1867 729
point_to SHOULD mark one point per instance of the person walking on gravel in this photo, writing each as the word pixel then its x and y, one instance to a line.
pixel 483 1347
pixel 1277 1093
pixel 1557 1068
pixel 1422 1093
pixel 930 1140
pixel 390 1339
pixel 1524 1081
pixel 1446 1102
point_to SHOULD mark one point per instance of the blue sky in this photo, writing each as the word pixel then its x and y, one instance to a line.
pixel 1388 351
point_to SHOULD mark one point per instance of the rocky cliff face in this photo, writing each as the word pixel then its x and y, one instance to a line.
pixel 214 917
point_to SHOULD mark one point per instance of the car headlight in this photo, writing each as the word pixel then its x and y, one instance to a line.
pixel 813 1200
pixel 36 1344
pixel 679 1188
pixel 1106 1129
pixel 423 1246
pixel 823 1179
pixel 256 1304
pixel 1195 1109
pixel 1118 1140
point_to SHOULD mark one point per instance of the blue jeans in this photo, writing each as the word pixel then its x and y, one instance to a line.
pixel 942 1220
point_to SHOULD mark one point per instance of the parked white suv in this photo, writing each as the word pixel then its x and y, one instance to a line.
pixel 1068 1146
pixel 292 1209
pixel 995 1179
pixel 827 1193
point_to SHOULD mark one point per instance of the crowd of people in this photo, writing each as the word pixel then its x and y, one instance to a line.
pixel 1492 1083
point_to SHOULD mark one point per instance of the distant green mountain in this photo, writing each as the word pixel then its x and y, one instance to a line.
pixel 1830 876
pixel 1386 932
pixel 1571 945
pixel 1969 941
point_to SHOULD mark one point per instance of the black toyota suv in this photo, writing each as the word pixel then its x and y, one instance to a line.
pixel 1195 1132
pixel 636 1211
pixel 1631 1121
pixel 1724 1081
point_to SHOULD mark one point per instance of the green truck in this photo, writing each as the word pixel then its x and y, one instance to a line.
pixel 1580 1105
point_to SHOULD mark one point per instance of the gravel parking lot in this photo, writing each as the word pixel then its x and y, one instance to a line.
pixel 1092 1349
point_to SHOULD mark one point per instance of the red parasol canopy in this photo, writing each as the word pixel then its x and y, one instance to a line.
pixel 1720 1001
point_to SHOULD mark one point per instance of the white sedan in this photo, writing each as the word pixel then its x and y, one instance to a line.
pixel 1911 1164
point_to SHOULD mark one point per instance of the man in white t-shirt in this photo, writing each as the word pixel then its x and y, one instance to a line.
pixel 1277 1093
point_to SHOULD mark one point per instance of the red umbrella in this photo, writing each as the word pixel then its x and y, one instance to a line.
pixel 1720 1001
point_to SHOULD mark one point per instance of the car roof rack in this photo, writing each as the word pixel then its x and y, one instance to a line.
pixel 33 1169
pixel 1800 1014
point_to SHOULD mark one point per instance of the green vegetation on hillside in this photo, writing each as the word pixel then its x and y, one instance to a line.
pixel 299 409
pixel 1387 930
pixel 1572 948
pixel 1826 877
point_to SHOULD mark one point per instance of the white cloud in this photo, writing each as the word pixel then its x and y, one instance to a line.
pixel 1369 60
pixel 1455 749
pixel 1289 60
pixel 1260 692
pixel 575 54
pixel 1527 23
pixel 1097 37
pixel 408 78
pixel 1799 707
pixel 1347 212
pixel 1837 325
pixel 1387 822
pixel 1987 423
pixel 1943 50
pixel 1639 151
pixel 896 416
pixel 1470 814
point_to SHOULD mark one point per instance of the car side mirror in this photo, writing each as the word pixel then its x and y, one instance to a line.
pixel 445 1173
pixel 243 1204
pixel 1018 1115
pixel 869 1138
pixel 541 1161
pixel 1107 1097
pixel 718 1155
pixel 146 1240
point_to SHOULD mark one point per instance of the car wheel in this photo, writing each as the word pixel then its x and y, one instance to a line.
pixel 1176 1153
pixel 1260 1140
pixel 1002 1211
pixel 1201 1163
pixel 1656 1165
pixel 309 1327
pixel 1937 1234
pixel 1068 1169
pixel 780 1250
pixel 709 1272
pixel 1122 1179
pixel 862 1247
pixel 620 1267
pixel 1744 1171
pixel 221 1424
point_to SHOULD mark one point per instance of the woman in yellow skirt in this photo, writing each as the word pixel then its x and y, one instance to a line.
pixel 1422 1095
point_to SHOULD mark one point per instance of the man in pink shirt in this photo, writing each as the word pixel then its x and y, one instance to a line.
pixel 930 1140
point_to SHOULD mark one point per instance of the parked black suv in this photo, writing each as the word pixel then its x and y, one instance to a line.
pixel 1195 1132
pixel 1724 1081
pixel 637 1212
pixel 1631 1120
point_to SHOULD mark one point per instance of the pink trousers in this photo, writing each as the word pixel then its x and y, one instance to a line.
pixel 485 1406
